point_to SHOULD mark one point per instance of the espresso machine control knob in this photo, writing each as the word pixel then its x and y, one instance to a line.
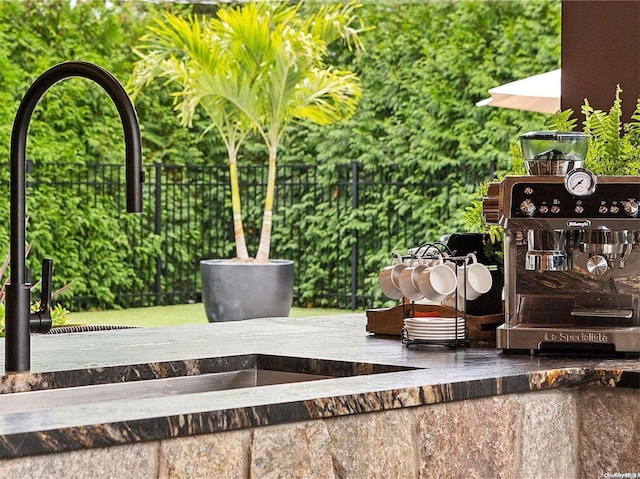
pixel 597 265
pixel 527 207
pixel 631 208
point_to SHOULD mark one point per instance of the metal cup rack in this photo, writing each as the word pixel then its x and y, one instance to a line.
pixel 434 251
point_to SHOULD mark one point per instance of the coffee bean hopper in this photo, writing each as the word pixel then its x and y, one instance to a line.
pixel 572 252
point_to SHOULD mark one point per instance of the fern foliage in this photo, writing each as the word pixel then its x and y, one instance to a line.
pixel 614 146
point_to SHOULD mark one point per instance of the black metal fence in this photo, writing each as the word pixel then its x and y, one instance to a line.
pixel 338 224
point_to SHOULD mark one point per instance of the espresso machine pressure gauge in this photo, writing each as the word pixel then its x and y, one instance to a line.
pixel 580 182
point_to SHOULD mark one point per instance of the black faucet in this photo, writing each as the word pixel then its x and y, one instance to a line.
pixel 19 321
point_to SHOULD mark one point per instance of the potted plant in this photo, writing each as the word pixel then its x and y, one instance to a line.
pixel 252 68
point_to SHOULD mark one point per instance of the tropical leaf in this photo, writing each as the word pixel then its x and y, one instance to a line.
pixel 562 120
pixel 258 66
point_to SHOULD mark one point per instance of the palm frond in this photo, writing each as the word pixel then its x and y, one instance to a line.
pixel 256 66
pixel 326 97
pixel 335 21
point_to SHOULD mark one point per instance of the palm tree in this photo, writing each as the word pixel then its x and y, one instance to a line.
pixel 257 67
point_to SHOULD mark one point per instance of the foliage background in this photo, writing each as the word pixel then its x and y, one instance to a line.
pixel 425 66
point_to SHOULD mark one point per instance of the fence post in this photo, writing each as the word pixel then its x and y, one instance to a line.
pixel 158 229
pixel 355 194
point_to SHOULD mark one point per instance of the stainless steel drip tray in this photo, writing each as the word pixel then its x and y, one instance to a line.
pixel 232 372
pixel 560 339
pixel 602 313
pixel 578 310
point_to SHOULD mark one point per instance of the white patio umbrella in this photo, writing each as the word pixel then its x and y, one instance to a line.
pixel 540 93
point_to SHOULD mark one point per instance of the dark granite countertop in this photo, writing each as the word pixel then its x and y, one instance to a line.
pixel 440 374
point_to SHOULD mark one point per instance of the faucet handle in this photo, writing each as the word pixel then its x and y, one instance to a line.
pixel 40 320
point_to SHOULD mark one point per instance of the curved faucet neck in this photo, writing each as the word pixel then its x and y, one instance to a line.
pixel 17 342
pixel 29 102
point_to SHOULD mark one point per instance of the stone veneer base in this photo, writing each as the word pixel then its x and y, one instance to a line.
pixel 585 432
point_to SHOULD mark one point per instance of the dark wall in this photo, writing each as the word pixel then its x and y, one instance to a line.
pixel 600 49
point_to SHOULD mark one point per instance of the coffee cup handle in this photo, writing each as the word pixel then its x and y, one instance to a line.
pixel 416 260
pixel 395 259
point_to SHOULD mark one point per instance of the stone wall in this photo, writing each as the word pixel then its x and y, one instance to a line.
pixel 590 432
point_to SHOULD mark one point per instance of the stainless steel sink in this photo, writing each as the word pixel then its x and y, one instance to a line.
pixel 217 374
pixel 51 398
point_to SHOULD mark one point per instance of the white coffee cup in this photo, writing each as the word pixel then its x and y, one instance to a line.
pixel 409 281
pixel 476 277
pixel 389 278
pixel 437 282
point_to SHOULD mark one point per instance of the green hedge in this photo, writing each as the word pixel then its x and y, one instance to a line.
pixel 425 66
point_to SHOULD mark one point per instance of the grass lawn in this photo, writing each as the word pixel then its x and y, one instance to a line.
pixel 169 315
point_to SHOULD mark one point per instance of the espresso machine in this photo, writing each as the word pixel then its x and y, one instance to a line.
pixel 571 252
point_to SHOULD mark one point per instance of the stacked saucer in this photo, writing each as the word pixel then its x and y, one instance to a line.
pixel 435 329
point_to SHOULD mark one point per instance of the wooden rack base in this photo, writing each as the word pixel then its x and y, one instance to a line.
pixel 389 321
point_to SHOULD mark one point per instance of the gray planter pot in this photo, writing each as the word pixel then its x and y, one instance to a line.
pixel 235 291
